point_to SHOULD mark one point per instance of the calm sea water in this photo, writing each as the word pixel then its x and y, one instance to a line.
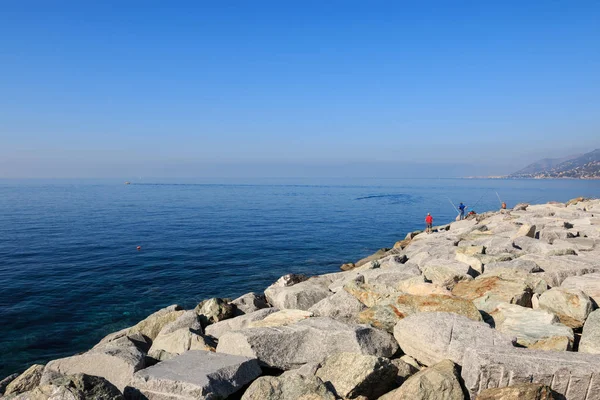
pixel 70 272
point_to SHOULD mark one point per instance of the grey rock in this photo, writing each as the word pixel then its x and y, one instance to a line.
pixel 558 268
pixel 387 313
pixel 521 207
pixel 574 375
pixel 433 337
pixel 196 375
pixel 571 306
pixel 438 382
pixel 169 345
pixel 281 318
pixel 308 369
pixel 527 266
pixel 248 303
pixel 300 296
pixel 214 310
pixel 219 328
pixel 149 327
pixel 116 361
pixel 341 306
pixel 590 337
pixel 448 273
pixel 405 370
pixel 189 319
pixel 525 231
pixel 588 284
pixel 529 326
pixel 487 291
pixel 73 387
pixel 353 374
pixel 369 294
pixel 310 340
pixel 28 380
pixel 525 391
pixel 288 387
pixel 4 382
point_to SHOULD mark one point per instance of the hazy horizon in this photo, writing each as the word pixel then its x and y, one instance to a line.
pixel 271 89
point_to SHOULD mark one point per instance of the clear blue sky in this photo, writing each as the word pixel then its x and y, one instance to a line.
pixel 124 88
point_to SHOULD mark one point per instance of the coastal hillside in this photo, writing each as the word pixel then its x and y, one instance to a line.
pixel 502 305
pixel 586 166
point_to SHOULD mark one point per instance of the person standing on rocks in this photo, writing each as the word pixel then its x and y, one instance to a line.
pixel 503 206
pixel 429 223
pixel 462 207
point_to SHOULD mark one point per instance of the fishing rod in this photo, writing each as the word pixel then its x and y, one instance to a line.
pixel 499 199
pixel 473 206
pixel 451 203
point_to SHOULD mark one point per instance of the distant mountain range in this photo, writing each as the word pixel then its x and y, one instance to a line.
pixel 581 166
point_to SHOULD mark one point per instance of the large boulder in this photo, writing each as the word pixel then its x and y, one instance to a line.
pixel 188 319
pixel 418 286
pixel 529 326
pixel 405 369
pixel 280 318
pixel 438 382
pixel 486 292
pixel 300 296
pixel 353 375
pixel 448 273
pixel 433 337
pixel 524 391
pixel 590 337
pixel 341 306
pixel 573 375
pixel 558 268
pixel 73 387
pixel 150 327
pixel 116 361
pixel 171 344
pixel 525 231
pixel 219 328
pixel 387 313
pixel 520 264
pixel 588 284
pixel 28 380
pixel 369 294
pixel 248 303
pixel 195 375
pixel 310 340
pixel 6 381
pixel 214 310
pixel 571 306
pixel 288 387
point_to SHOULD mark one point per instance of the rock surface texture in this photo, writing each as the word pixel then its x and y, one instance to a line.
pixel 310 340
pixel 573 375
pixel 353 375
pixel 196 375
pixel 438 382
pixel 432 337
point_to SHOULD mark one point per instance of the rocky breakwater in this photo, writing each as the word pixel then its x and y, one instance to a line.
pixel 500 306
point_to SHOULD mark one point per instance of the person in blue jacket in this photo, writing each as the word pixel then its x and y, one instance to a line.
pixel 461 208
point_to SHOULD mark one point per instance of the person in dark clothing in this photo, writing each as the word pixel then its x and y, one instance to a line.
pixel 461 208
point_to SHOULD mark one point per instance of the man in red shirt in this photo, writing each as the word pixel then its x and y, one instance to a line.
pixel 429 222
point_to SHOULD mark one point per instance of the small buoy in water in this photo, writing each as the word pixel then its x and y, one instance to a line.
pixel 139 248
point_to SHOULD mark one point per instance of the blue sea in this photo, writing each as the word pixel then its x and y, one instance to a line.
pixel 70 272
